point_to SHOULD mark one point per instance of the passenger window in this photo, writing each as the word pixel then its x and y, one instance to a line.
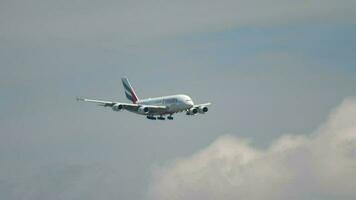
pixel 171 101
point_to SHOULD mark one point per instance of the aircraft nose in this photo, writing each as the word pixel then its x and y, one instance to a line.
pixel 190 103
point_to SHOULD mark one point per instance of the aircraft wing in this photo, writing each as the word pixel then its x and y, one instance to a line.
pixel 202 105
pixel 127 106
pixel 99 102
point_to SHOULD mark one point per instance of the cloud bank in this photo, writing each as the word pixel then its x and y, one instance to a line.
pixel 321 165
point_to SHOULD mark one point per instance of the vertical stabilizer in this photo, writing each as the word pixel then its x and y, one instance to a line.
pixel 129 91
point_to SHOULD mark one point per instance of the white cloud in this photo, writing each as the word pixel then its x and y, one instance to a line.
pixel 317 166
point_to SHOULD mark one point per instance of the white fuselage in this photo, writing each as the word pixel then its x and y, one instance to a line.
pixel 174 103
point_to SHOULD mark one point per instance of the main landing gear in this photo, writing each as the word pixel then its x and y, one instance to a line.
pixel 159 118
pixel 151 117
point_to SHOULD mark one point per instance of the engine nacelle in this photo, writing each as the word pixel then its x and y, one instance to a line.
pixel 143 110
pixel 117 107
pixel 192 111
pixel 203 109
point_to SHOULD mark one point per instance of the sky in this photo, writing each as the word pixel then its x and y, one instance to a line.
pixel 280 76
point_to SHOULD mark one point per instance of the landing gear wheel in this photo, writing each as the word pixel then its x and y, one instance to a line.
pixel 151 118
pixel 161 118
pixel 170 117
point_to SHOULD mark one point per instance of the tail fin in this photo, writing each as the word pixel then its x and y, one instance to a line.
pixel 129 91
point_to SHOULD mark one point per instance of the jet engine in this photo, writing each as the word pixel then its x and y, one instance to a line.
pixel 203 109
pixel 143 110
pixel 117 107
pixel 192 111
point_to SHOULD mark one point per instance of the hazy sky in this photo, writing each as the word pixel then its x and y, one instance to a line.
pixel 274 71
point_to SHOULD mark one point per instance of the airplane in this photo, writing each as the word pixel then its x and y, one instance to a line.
pixel 152 107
